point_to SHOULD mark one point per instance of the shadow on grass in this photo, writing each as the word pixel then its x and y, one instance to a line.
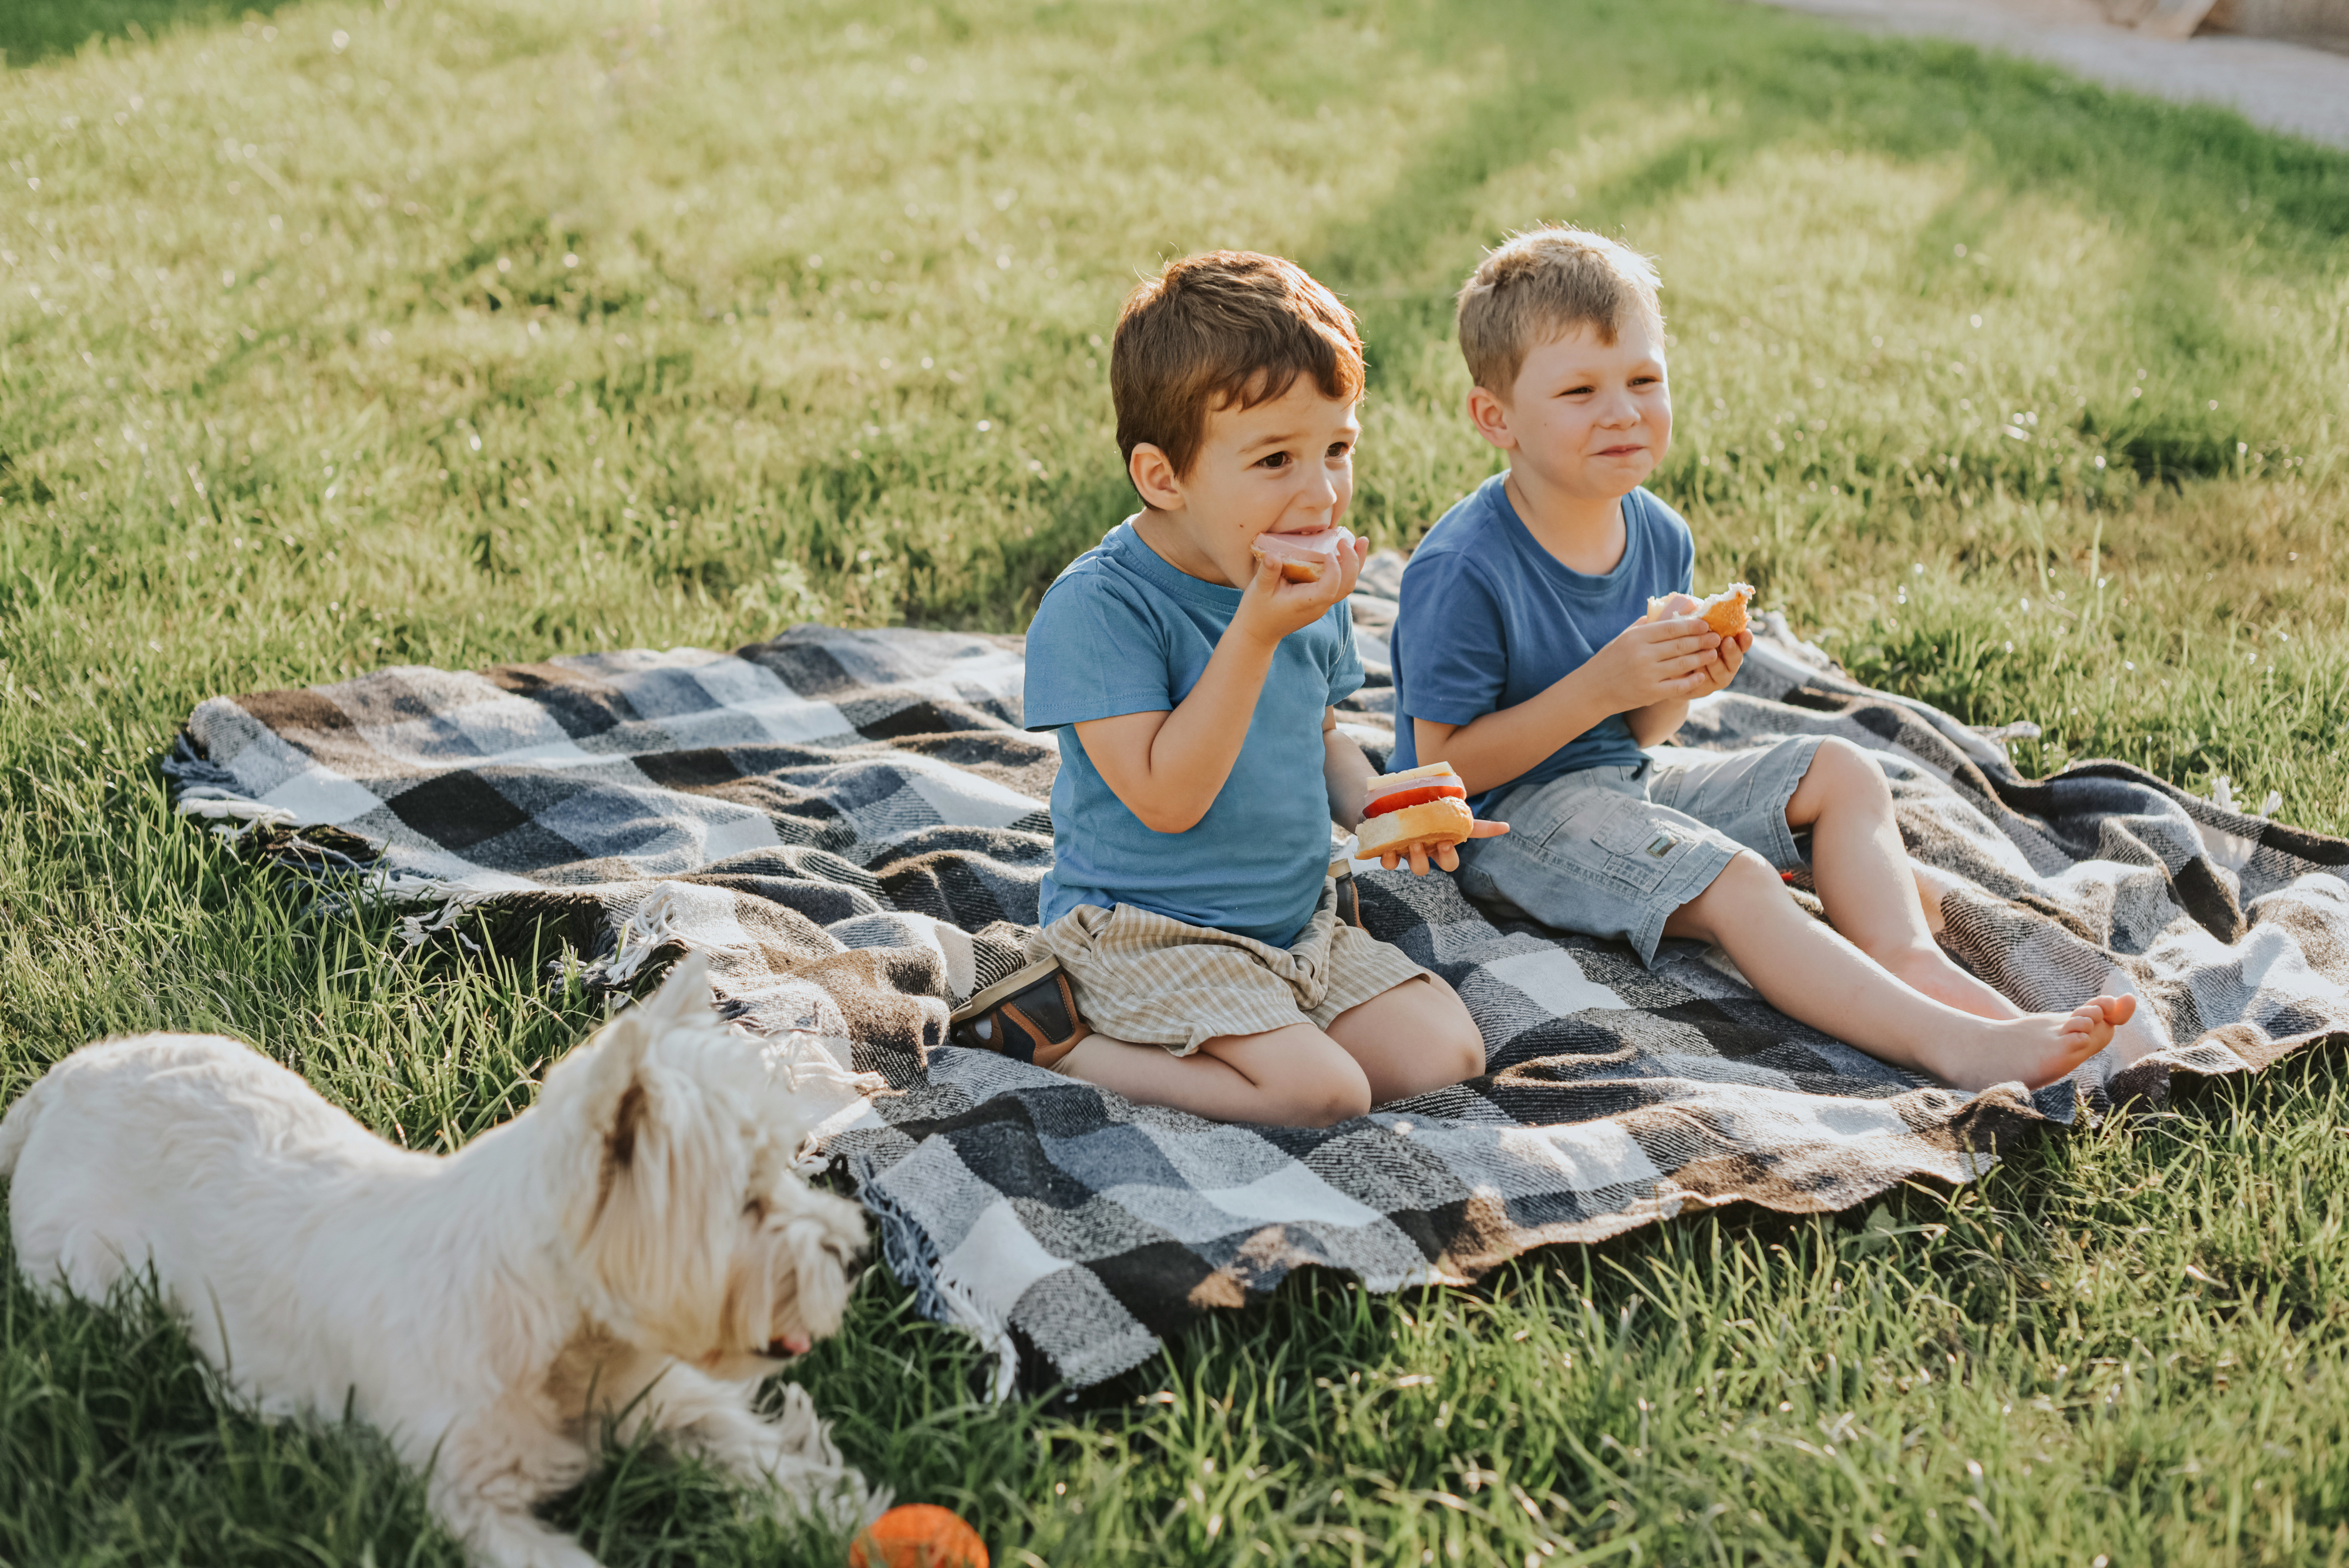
pixel 2022 127
pixel 32 30
pixel 2200 179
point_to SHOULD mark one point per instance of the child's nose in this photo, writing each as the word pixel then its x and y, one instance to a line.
pixel 1320 488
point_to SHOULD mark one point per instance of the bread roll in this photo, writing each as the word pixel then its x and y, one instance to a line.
pixel 1302 557
pixel 1429 825
pixel 1725 611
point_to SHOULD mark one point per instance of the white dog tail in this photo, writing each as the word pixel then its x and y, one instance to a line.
pixel 17 1125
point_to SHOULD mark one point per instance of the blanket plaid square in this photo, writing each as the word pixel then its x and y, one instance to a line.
pixel 852 824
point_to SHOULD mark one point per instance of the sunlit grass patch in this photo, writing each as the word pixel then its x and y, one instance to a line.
pixel 339 334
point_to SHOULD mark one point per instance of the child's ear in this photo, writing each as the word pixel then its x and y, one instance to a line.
pixel 1491 417
pixel 1155 479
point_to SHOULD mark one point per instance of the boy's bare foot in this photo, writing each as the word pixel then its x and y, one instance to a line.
pixel 2035 1050
pixel 1930 972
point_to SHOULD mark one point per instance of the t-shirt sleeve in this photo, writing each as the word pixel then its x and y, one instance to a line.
pixel 1346 675
pixel 1452 661
pixel 1673 549
pixel 1092 653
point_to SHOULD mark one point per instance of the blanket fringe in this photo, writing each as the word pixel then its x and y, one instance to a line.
pixel 416 929
pixel 906 1248
pixel 224 806
pixel 649 927
pixel 2222 795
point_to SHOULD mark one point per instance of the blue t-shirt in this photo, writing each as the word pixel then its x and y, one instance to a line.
pixel 1490 620
pixel 1121 631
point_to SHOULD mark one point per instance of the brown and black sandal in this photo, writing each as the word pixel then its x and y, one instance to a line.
pixel 1350 897
pixel 1029 1016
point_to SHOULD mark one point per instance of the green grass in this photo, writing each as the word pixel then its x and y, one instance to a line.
pixel 827 350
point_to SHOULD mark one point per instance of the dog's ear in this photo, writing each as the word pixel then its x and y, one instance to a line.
pixel 602 1080
pixel 684 995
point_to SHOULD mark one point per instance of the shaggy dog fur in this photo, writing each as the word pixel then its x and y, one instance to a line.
pixel 635 1248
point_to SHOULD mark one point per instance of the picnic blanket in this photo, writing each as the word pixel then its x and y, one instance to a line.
pixel 852 823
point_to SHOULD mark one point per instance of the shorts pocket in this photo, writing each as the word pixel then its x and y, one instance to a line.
pixel 1636 849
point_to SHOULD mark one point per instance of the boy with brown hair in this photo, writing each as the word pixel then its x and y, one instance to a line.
pixel 1523 656
pixel 1189 909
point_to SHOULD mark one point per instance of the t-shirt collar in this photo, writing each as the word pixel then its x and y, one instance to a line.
pixel 1496 496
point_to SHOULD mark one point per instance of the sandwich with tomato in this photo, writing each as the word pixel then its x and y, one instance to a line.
pixel 1420 808
pixel 1302 557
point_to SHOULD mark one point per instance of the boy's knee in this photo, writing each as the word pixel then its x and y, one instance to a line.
pixel 1319 1085
pixel 1460 1043
pixel 1745 875
pixel 1467 1057
pixel 1840 761
pixel 1327 1103
pixel 1734 893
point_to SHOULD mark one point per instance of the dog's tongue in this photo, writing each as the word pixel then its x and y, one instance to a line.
pixel 788 1345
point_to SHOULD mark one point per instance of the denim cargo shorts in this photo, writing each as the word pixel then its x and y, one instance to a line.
pixel 1612 852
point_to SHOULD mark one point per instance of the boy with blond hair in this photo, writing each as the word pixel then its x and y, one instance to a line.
pixel 1196 959
pixel 1523 656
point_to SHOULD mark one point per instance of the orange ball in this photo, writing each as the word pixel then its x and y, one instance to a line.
pixel 918 1535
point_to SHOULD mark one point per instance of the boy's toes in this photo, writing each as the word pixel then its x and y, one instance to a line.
pixel 2088 1026
pixel 2118 1009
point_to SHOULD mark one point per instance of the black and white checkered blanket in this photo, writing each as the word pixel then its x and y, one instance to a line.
pixel 852 824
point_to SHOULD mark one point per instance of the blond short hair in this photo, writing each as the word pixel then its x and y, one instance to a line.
pixel 1539 286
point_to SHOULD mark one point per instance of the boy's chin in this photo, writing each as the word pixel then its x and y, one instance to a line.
pixel 1611 483
pixel 1620 476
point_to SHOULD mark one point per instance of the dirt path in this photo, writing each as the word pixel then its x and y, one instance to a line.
pixel 2283 87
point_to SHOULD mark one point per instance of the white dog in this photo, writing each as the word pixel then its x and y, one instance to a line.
pixel 635 1247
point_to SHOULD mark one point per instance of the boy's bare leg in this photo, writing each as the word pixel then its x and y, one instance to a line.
pixel 1295 1077
pixel 1411 1038
pixel 1864 878
pixel 1812 973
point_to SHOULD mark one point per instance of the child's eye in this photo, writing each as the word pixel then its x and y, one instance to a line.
pixel 1340 447
pixel 1578 391
pixel 1274 460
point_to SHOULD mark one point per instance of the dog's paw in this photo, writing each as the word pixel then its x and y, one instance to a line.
pixel 798 1432
pixel 496 1539
pixel 839 1499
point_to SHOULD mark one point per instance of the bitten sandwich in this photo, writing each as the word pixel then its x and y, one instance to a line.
pixel 1725 611
pixel 1302 557
pixel 1423 808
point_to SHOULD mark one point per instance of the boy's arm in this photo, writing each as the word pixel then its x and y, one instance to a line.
pixel 1345 771
pixel 1656 723
pixel 1169 766
pixel 1652 663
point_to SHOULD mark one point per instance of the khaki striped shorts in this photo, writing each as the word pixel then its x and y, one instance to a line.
pixel 1149 980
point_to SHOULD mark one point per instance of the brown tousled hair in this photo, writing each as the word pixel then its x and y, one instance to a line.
pixel 1539 286
pixel 1227 328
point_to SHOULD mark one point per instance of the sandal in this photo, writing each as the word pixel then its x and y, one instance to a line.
pixel 1349 898
pixel 1029 1016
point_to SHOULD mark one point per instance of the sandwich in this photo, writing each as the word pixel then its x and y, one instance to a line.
pixel 1302 557
pixel 1421 808
pixel 1724 612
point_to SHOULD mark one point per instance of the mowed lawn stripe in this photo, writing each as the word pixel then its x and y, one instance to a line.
pixel 334 335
